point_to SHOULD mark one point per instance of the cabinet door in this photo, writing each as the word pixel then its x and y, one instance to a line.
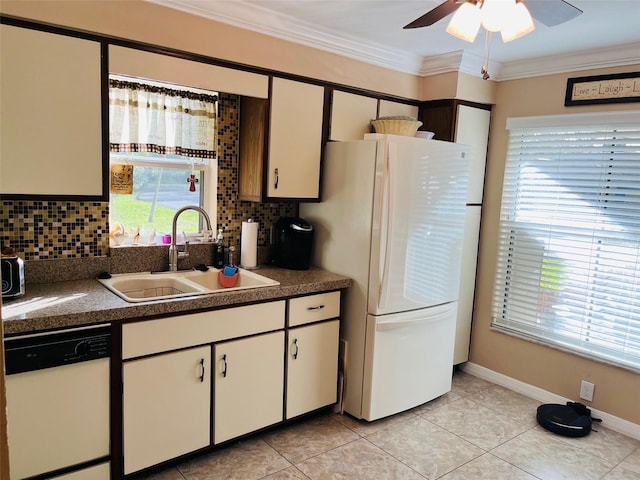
pixel 467 283
pixel 388 109
pixel 472 128
pixel 167 406
pixel 295 140
pixel 312 368
pixel 97 472
pixel 351 116
pixel 248 385
pixel 51 116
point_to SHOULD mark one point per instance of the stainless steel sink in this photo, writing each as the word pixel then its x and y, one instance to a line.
pixel 144 287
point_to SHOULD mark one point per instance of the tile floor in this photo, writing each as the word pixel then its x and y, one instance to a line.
pixel 477 431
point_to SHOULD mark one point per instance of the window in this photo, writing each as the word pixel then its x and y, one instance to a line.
pixel 568 266
pixel 167 137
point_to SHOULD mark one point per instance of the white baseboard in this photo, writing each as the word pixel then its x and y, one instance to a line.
pixel 610 421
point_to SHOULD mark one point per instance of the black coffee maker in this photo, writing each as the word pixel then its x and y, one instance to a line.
pixel 293 238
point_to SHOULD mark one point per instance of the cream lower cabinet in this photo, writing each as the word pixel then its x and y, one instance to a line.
pixel 312 352
pixel 167 406
pixel 312 367
pixel 97 472
pixel 248 385
pixel 173 365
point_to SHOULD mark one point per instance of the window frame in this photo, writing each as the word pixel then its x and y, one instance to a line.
pixel 513 300
pixel 207 198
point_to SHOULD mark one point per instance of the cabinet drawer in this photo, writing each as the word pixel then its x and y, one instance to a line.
pixel 154 336
pixel 314 308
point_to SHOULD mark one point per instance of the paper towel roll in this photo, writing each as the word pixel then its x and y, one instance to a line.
pixel 249 245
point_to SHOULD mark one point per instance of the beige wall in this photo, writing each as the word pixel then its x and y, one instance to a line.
pixel 617 391
pixel 457 85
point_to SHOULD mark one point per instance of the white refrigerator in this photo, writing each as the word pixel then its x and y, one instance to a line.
pixel 392 218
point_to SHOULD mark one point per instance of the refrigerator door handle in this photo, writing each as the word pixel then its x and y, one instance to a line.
pixel 391 154
pixel 397 324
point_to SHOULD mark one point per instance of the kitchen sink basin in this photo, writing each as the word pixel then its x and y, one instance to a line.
pixel 144 287
pixel 246 279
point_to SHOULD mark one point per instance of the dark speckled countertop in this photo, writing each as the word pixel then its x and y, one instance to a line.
pixel 74 303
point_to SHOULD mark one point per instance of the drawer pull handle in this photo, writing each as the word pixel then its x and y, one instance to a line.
pixel 295 344
pixel 224 369
pixel 317 307
pixel 277 179
pixel 201 370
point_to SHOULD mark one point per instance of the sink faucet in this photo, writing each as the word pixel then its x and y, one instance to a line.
pixel 174 254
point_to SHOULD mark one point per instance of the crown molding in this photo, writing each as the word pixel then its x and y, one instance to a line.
pixel 459 61
pixel 262 20
pixel 617 56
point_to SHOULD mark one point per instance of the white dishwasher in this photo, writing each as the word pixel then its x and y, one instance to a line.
pixel 58 404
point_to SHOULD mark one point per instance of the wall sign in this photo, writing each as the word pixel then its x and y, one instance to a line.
pixel 616 88
pixel 121 179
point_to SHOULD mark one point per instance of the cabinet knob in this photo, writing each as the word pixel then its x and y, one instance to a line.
pixel 275 183
pixel 224 366
pixel 295 345
pixel 317 307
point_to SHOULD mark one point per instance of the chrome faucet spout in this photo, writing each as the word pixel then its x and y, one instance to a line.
pixel 173 249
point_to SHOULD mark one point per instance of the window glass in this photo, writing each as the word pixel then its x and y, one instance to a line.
pixel 169 142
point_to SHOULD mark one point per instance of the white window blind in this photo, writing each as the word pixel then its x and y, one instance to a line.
pixel 568 266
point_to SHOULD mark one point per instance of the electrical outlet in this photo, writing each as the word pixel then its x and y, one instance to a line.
pixel 586 391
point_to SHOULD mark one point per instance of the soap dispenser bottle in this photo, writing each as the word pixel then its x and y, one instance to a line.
pixel 218 251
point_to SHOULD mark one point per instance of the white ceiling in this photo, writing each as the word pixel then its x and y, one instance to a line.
pixel 606 34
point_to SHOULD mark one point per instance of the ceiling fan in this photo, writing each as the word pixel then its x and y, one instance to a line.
pixel 547 12
pixel 512 18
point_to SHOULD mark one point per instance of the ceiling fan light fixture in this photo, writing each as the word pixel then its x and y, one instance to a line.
pixel 497 14
pixel 465 22
pixel 520 24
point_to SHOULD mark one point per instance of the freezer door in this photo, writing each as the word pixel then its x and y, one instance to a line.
pixel 409 359
pixel 418 224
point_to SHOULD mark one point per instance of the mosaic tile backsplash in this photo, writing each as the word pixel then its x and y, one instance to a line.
pixel 48 230
pixel 51 230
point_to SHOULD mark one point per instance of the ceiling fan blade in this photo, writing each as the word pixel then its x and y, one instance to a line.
pixel 552 12
pixel 438 13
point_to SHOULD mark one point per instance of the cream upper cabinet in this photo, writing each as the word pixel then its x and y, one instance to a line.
pixel 389 108
pixel 281 143
pixel 179 71
pixel 51 115
pixel 351 116
pixel 472 128
pixel 295 140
